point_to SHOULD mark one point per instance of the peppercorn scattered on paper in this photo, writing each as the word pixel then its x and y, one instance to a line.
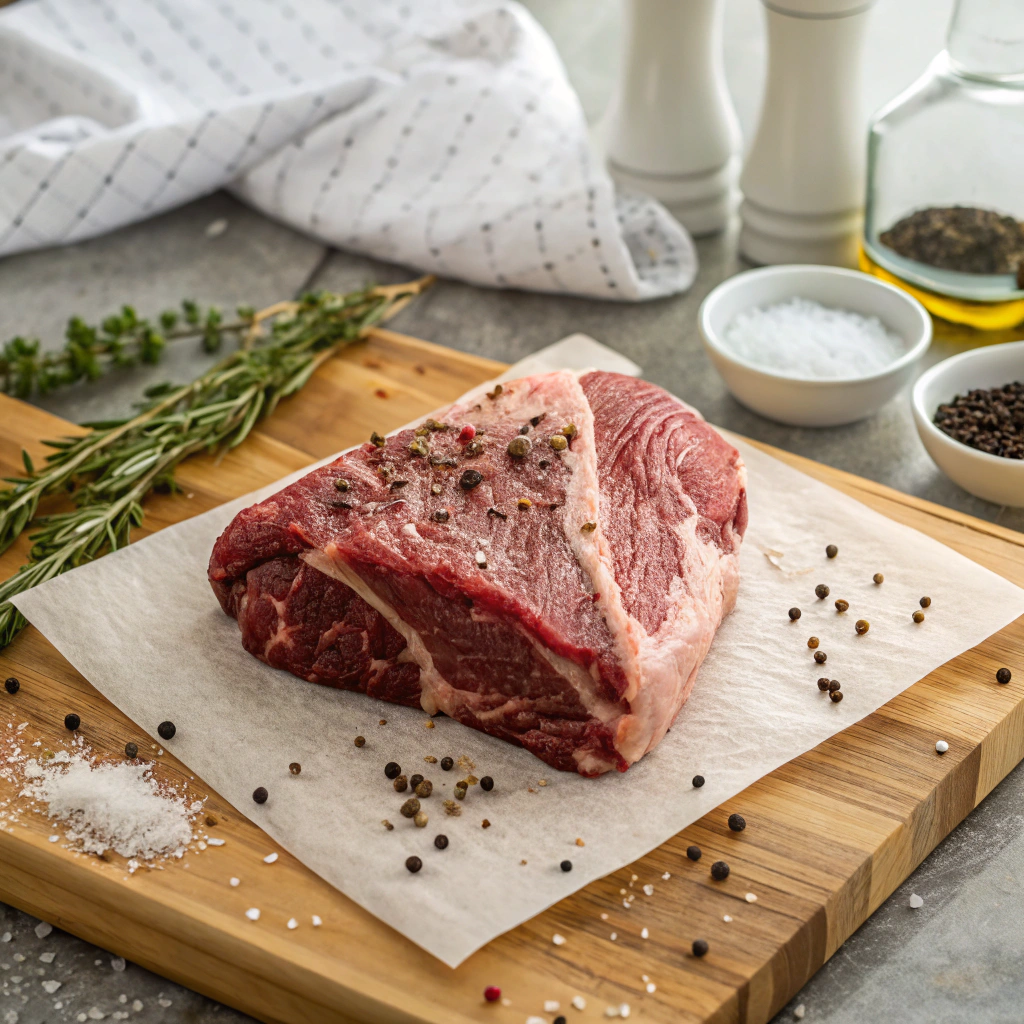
pixel 144 627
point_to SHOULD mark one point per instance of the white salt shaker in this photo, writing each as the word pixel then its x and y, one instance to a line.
pixel 803 180
pixel 671 129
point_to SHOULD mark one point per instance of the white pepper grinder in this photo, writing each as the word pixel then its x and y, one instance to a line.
pixel 803 179
pixel 671 131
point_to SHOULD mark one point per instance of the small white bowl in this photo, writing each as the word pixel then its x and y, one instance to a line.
pixel 813 403
pixel 988 476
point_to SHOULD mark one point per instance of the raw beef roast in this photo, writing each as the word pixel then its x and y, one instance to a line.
pixel 548 563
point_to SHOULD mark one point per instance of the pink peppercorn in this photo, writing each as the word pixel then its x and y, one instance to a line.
pixel 492 993
pixel 467 433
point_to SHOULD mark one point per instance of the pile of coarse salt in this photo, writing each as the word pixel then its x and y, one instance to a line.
pixel 802 338
pixel 115 806
pixel 103 806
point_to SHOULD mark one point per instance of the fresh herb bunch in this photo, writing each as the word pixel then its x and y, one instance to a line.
pixel 122 340
pixel 110 470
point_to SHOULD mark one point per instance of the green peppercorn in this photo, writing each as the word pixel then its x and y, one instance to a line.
pixel 813 643
pixel 841 605
pixel 918 616
pixel 342 484
pixel 822 591
pixel 570 431
pixel 519 447
pixel 420 819
pixel 558 442
pixel 376 440
pixel 794 614
pixel 401 784
pixel 425 788
pixel 418 446
pixel 410 808
pixel 831 551
pixel 925 602
pixel 878 578
pixel 861 626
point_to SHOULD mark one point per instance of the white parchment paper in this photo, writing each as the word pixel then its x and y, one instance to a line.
pixel 144 627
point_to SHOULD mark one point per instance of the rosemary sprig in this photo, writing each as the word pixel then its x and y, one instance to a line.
pixel 109 470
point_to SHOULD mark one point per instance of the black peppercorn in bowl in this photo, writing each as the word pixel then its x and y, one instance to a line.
pixel 967 412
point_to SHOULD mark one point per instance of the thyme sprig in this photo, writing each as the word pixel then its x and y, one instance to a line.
pixel 109 470
pixel 122 340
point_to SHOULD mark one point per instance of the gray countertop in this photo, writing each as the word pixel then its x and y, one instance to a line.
pixel 960 956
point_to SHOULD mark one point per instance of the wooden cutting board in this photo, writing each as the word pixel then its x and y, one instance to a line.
pixel 837 829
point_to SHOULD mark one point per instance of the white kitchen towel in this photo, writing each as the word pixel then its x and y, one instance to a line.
pixel 442 134
pixel 143 626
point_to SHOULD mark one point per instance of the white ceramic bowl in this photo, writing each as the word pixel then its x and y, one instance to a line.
pixel 814 403
pixel 988 476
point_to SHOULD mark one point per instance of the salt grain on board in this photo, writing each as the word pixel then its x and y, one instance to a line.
pixel 579 1003
pixel 552 1006
pixel 916 902
pixel 317 921
pixel 253 913
pixel 558 940
pixel 234 882
pixel 43 929
pixel 270 858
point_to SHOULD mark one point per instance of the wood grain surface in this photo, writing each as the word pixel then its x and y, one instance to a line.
pixel 831 834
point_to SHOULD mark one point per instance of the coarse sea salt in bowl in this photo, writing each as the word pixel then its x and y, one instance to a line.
pixel 786 358
pixel 991 477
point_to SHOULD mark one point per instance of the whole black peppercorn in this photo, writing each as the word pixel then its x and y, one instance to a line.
pixel 470 479
pixel 1003 675
pixel 560 1019
pixel 519 447
pixel 698 781
pixel 441 842
pixel 410 808
pixel 693 852
pixel 831 551
pixel 415 780
pixel 72 721
pixel 794 614
pixel 700 947
pixel 566 865
pixel 719 871
pixel 820 657
pixel 925 602
pixel 823 683
pixel 834 685
pixel 424 788
pixel 166 730
pixel 440 516
pixel 260 794
pixel 131 750
pixel 11 685
pixel 836 696
pixel 822 591
pixel 737 822
pixel 392 769
pixel 447 764
pixel 413 864
pixel 487 783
